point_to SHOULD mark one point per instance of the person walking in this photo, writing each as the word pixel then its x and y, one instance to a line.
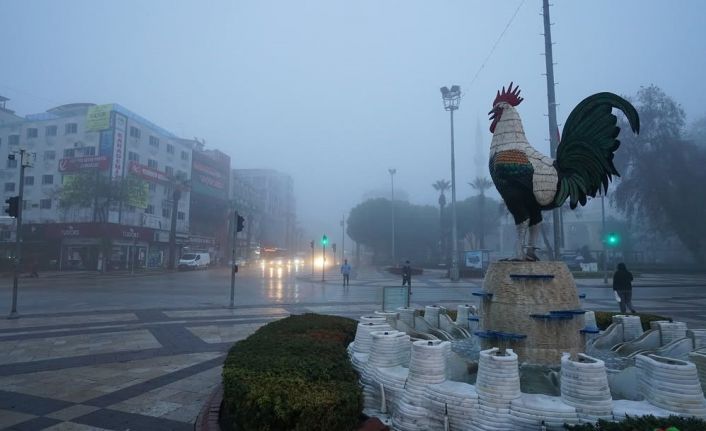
pixel 346 271
pixel 407 274
pixel 622 285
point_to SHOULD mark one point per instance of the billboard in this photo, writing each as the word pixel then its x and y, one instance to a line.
pixel 74 164
pixel 149 174
pixel 474 259
pixel 117 169
pixel 98 118
pixel 210 174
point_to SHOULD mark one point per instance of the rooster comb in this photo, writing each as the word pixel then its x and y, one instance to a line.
pixel 511 96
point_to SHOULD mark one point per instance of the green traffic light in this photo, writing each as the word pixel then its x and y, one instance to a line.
pixel 324 240
pixel 613 239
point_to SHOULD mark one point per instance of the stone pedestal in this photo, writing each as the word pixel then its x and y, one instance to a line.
pixel 532 307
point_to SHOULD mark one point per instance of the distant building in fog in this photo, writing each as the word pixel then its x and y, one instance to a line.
pixel 275 196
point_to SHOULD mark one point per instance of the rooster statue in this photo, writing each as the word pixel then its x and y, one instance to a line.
pixel 530 182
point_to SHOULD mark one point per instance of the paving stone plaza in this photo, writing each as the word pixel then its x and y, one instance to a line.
pixel 71 364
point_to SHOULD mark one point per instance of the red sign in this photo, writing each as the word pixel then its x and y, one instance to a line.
pixel 80 163
pixel 149 174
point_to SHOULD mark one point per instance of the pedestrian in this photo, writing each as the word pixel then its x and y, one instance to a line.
pixel 622 285
pixel 407 274
pixel 346 271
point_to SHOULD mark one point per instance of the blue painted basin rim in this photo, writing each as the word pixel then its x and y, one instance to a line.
pixel 499 335
pixel 532 276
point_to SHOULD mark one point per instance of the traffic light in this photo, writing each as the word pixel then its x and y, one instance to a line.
pixel 13 206
pixel 333 248
pixel 240 224
pixel 324 240
pixel 612 239
pixel 311 244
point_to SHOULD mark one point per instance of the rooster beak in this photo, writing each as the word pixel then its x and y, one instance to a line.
pixel 491 111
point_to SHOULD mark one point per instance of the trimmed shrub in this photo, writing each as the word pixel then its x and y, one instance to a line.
pixel 293 374
pixel 605 318
pixel 647 423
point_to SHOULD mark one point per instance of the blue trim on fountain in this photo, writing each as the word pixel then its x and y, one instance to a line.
pixel 499 335
pixel 474 318
pixel 582 296
pixel 554 316
pixel 590 330
pixel 483 293
pixel 533 276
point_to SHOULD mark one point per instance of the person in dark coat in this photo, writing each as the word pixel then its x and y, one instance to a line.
pixel 407 274
pixel 622 284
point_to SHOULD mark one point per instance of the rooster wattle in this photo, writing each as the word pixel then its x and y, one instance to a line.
pixel 530 182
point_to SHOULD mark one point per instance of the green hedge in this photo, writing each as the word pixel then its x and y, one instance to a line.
pixel 293 374
pixel 646 423
pixel 605 318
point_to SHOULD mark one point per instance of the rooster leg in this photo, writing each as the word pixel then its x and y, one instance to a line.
pixel 521 234
pixel 532 244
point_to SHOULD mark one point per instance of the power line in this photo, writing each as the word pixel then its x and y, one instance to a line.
pixel 495 45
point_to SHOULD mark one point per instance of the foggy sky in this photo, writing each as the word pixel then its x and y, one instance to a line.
pixel 336 92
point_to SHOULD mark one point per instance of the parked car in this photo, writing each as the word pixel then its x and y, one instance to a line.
pixel 194 261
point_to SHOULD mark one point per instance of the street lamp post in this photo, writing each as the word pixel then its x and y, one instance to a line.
pixel 392 172
pixel 24 157
pixel 603 240
pixel 451 99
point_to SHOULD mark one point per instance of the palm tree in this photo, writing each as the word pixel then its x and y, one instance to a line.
pixel 441 186
pixel 481 184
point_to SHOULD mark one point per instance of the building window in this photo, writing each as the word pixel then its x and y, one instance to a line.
pixel 29 180
pixel 169 170
pixel 135 132
pixel 25 204
pixel 149 209
pixel 50 155
pixel 11 163
pixel 71 128
pixel 69 152
pixel 9 187
pixel 170 149
pixel 47 179
pixel 133 157
pixel 86 151
pixel 154 141
pixel 13 140
pixel 50 130
pixel 32 132
pixel 166 212
pixel 168 190
pixel 152 163
pixel 181 215
pixel 45 204
pixel 152 187
pixel 184 155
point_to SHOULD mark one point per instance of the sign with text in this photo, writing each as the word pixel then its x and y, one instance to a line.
pixel 98 117
pixel 117 163
pixel 210 173
pixel 149 174
pixel 74 164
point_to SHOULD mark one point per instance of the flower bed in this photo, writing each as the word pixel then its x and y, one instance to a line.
pixel 647 423
pixel 293 374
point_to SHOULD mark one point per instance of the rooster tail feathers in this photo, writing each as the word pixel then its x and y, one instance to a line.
pixel 585 153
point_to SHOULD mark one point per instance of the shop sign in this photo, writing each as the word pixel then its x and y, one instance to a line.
pixel 74 164
pixel 98 117
pixel 118 168
pixel 149 174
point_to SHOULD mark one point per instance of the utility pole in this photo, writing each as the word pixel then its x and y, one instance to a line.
pixel 343 238
pixel 324 241
pixel 232 262
pixel 553 127
pixel 392 184
pixel 452 98
pixel 24 162
pixel 176 195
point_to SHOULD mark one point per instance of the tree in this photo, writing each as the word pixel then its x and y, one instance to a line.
pixel 481 184
pixel 660 172
pixel 416 228
pixel 441 186
pixel 474 222
pixel 697 132
pixel 92 190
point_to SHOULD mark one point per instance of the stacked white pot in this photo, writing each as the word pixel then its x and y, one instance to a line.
pixel 699 359
pixel 632 327
pixel 589 319
pixel 389 349
pixel 431 315
pixel 390 316
pixel 671 331
pixel 624 408
pixel 458 400
pixel 462 314
pixel 671 384
pixel 498 383
pixel 427 366
pixel 584 386
pixel 360 347
pixel 393 380
pixel 530 411
pixel 407 315
pixel 698 336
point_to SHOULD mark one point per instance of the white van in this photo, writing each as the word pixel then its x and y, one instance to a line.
pixel 194 261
